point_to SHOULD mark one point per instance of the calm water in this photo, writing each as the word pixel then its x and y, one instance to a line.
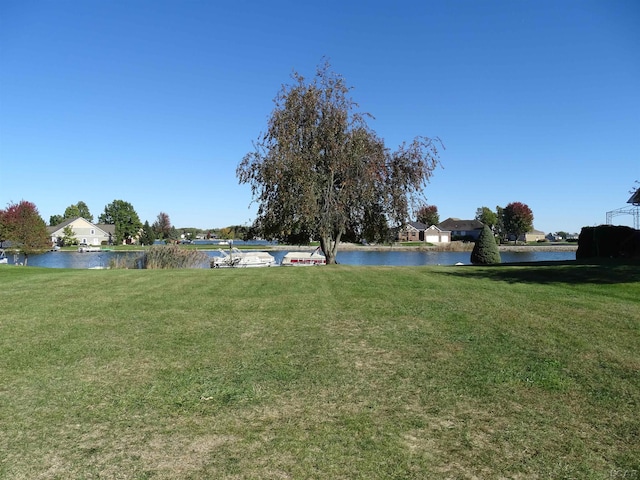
pixel 352 257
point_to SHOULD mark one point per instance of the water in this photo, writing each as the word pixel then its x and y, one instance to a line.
pixel 346 257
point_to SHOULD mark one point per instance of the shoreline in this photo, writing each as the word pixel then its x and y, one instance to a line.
pixel 445 247
pixel 452 247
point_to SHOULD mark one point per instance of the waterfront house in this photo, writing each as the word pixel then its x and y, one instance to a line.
pixel 419 232
pixel 84 232
pixel 412 232
pixel 462 229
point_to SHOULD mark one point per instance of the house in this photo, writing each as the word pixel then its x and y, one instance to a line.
pixel 532 236
pixel 412 232
pixel 433 234
pixel 462 229
pixel 84 232
pixel 419 232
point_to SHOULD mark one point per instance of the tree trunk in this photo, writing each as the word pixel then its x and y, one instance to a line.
pixel 330 247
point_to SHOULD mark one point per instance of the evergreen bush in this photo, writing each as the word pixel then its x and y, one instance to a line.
pixel 485 251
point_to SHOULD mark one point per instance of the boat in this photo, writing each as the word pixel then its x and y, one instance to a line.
pixel 88 248
pixel 304 259
pixel 3 257
pixel 235 258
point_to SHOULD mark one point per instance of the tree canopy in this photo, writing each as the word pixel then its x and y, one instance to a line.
pixel 162 226
pixel 80 209
pixel 517 219
pixel 148 235
pixel 124 217
pixel 22 225
pixel 428 214
pixel 55 220
pixel 320 171
pixel 487 216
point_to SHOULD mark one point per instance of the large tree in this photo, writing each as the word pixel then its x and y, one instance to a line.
pixel 517 219
pixel 79 209
pixel 55 220
pixel 124 217
pixel 148 235
pixel 428 214
pixel 487 216
pixel 319 170
pixel 22 225
pixel 162 226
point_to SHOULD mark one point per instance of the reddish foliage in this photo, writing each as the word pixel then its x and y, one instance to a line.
pixel 21 224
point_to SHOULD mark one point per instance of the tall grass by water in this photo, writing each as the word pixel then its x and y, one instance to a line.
pixel 162 257
pixel 337 372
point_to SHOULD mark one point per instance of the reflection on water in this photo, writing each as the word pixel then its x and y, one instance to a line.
pixel 351 257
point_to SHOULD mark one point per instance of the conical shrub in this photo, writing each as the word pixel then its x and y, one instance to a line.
pixel 485 251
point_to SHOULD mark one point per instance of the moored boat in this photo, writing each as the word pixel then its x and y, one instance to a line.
pixel 88 248
pixel 304 259
pixel 235 258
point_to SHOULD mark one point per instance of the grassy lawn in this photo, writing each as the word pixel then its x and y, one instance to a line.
pixel 339 372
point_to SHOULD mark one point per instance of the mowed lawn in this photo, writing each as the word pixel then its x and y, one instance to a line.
pixel 514 372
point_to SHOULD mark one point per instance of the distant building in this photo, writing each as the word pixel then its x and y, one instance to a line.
pixel 462 229
pixel 84 232
pixel 419 232
pixel 412 232
pixel 532 236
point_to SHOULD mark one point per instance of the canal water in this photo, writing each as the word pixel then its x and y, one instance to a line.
pixel 348 257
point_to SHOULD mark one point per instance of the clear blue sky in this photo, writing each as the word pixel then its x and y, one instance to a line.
pixel 156 102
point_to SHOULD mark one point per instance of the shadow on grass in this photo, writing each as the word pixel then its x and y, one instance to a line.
pixel 593 271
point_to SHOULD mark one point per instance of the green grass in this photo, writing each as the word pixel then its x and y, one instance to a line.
pixel 527 372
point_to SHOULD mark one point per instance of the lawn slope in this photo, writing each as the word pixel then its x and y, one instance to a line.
pixel 338 372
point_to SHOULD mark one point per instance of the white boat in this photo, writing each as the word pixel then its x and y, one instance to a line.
pixel 3 257
pixel 88 248
pixel 235 258
pixel 304 259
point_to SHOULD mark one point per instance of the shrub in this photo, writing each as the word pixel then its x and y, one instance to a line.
pixel 485 251
pixel 608 241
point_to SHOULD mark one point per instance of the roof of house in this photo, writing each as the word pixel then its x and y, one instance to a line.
pixel 455 224
pixel 61 225
pixel 106 228
pixel 417 225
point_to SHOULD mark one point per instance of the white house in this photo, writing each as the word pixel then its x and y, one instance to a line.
pixel 84 232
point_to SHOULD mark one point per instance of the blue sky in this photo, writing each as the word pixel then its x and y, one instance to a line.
pixel 156 102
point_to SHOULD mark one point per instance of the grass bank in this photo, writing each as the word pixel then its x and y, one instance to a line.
pixel 338 372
